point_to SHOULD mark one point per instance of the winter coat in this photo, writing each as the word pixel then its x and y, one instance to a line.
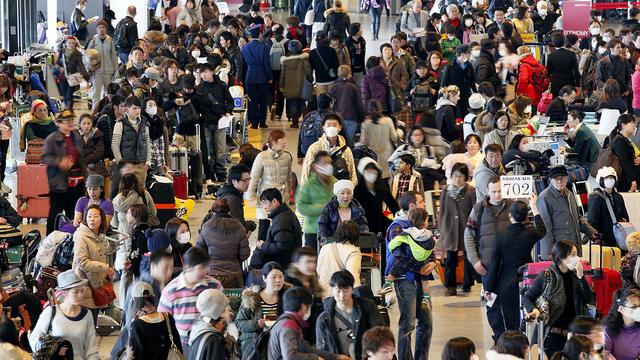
pixel 356 53
pixel 182 55
pixel 310 200
pixel 295 69
pixel 215 346
pixel 599 216
pixel 375 85
pixel 454 214
pixel 481 176
pixel 449 48
pixel 256 67
pixel 78 25
pixel 415 183
pixel 623 149
pixel 614 68
pixel 397 73
pixel 234 199
pixel 514 118
pixel 93 149
pixel 186 17
pixel 271 169
pixel 213 100
pixel 323 145
pixel 337 22
pixel 445 120
pixel 325 72
pixel 562 220
pixel 330 258
pixel 287 341
pixel 53 153
pixel 372 203
pixel 409 25
pixel 108 55
pixel 8 351
pixel 329 218
pixel 524 86
pixel 494 138
pixel 480 247
pixel 584 145
pixel 90 260
pixel 364 317
pixel 635 87
pixel 562 67
pixel 246 320
pixel 74 63
pixel 283 237
pixel 9 213
pixel 486 69
pixel 381 137
pixel 121 205
pixel 347 99
pixel 130 32
pixel 226 242
pixel 464 79
pixel 409 252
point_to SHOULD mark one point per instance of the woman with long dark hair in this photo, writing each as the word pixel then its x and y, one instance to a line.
pixel 611 98
pixel 622 325
pixel 627 153
pixel 178 230
pixel 372 192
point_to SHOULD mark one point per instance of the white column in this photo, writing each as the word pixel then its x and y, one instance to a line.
pixel 52 31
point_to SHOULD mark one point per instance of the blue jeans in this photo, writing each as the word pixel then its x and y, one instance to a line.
pixel 351 126
pixel 376 15
pixel 123 56
pixel 216 148
pixel 636 112
pixel 494 314
pixel 409 295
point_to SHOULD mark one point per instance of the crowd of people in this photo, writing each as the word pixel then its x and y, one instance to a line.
pixel 445 107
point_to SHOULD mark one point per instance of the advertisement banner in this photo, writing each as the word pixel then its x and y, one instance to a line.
pixel 576 17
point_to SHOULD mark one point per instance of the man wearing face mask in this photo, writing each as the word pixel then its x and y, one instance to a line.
pixel 335 145
pixel 543 20
pixel 590 65
pixel 614 66
pixel 559 211
pixel 605 203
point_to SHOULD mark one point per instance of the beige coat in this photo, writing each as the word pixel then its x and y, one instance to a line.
pixel 323 145
pixel 271 170
pixel 90 260
pixel 295 69
pixel 380 137
pixel 348 254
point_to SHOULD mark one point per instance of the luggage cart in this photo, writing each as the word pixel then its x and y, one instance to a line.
pixel 115 241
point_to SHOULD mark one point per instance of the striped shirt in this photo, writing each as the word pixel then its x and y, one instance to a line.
pixel 180 301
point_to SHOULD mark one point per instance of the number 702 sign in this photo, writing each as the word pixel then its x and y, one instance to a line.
pixel 516 187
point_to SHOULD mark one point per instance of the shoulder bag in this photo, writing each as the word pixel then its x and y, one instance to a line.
pixel 621 229
pixel 72 79
pixel 174 353
pixel 49 346
pixel 331 72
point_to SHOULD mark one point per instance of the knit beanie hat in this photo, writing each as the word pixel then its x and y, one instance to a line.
pixel 211 303
pixel 364 162
pixel 157 240
pixel 37 103
pixel 342 184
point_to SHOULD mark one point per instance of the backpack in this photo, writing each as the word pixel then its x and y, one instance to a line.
pixel 63 258
pixel 340 166
pixel 260 346
pixel 539 78
pixel 277 51
pixel 311 130
pixel 421 98
pixel 120 35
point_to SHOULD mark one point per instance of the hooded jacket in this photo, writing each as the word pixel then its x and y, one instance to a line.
pixel 323 145
pixel 364 317
pixel 481 176
pixel 329 218
pixel 409 252
pixel 524 86
pixel 93 149
pixel 108 54
pixel 446 119
pixel 215 346
pixel 375 86
pixel 90 260
pixel 287 340
pixel 337 22
pixel 310 200
pixel 121 205
pixel 348 100
pixel 295 69
pixel 271 169
pixel 226 242
pixel 284 236
pixel 234 200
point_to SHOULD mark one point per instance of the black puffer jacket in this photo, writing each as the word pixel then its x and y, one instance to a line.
pixel 338 22
pixel 486 69
pixel 212 101
pixel 284 236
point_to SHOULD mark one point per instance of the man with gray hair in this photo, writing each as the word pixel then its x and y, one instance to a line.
pixel 413 22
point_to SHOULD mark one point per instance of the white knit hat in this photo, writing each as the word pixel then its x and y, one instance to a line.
pixel 342 184
pixel 364 162
pixel 476 101
pixel 605 171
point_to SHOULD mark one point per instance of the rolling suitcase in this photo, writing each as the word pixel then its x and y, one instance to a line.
pixel 180 184
pixel 605 283
pixel 531 270
pixel 196 177
pixel 179 159
pixel 611 256
pixel 161 190
pixel 32 180
pixel 36 207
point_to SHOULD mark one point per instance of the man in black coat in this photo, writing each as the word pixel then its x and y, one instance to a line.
pixel 460 73
pixel 486 66
pixel 510 255
pixel 543 20
pixel 562 65
pixel 614 66
pixel 559 106
pixel 345 319
pixel 284 234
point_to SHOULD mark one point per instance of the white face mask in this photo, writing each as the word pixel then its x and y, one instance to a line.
pixel 542 12
pixel 325 169
pixel 468 23
pixel 451 37
pixel 475 53
pixel 594 30
pixel 601 51
pixel 195 53
pixel 331 131
pixel 370 177
pixel 606 38
pixel 307 315
pixel 475 357
pixel 571 262
pixel 152 110
pixel 527 109
pixel 184 238
pixel 502 53
pixel 609 183
pixel 594 43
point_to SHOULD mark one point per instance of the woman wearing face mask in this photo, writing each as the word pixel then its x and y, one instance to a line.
pixel 485 122
pixel 565 291
pixel 595 29
pixel 501 133
pixel 159 135
pixel 261 306
pixel 372 193
pixel 379 133
pixel 343 207
pixel 622 325
pixel 468 27
pixel 226 242
pixel 520 110
pixel 601 200
pixel 178 230
pixel 271 169
pixel 313 195
pixel 518 150
pixel 579 347
pixel 627 152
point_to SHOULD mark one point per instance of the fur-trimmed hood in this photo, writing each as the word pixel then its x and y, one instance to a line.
pixel 494 355
pixel 301 56
pixel 251 296
pixel 337 10
pixel 293 274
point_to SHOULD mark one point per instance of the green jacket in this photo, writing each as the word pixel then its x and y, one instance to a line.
pixel 585 145
pixel 310 199
pixel 449 48
pixel 419 253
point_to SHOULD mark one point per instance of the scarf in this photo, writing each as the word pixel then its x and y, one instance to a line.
pixel 156 128
pixel 454 192
pixel 33 120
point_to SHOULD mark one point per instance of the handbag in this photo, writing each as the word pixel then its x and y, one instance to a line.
pixel 331 72
pixel 35 149
pixel 49 346
pixel 72 79
pixel 174 353
pixel 621 229
pixel 103 295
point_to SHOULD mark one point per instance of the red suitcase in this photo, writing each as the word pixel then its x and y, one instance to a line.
pixel 33 207
pixel 32 180
pixel 605 283
pixel 180 184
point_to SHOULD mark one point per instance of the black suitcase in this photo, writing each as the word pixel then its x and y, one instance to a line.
pixel 163 197
pixel 196 178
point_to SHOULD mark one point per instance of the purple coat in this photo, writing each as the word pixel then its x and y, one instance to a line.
pixel 374 86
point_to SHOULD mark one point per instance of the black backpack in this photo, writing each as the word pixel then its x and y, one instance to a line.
pixel 340 166
pixel 260 347
pixel 120 35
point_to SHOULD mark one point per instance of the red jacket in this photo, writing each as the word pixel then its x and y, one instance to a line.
pixel 525 79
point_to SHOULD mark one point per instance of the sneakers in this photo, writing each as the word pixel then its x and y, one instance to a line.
pixel 386 288
pixel 4 188
pixel 451 292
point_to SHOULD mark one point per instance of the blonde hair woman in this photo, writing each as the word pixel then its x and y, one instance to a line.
pixel 446 112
